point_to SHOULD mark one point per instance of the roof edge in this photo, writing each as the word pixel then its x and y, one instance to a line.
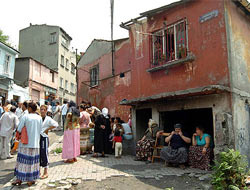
pixel 10 47
pixel 19 58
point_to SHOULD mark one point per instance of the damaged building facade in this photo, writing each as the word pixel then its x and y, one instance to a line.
pixel 102 81
pixel 190 64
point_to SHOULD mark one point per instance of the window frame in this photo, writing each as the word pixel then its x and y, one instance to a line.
pixel 66 85
pixel 53 38
pixel 73 71
pixel 72 87
pixel 67 64
pixel 52 76
pixel 96 81
pixel 62 62
pixel 6 70
pixel 164 33
pixel 61 82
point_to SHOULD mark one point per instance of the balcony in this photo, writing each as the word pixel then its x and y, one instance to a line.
pixel 170 64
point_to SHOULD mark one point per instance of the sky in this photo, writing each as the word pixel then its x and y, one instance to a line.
pixel 83 20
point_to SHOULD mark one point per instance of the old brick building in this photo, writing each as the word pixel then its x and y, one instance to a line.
pixel 190 64
pixel 187 62
pixel 101 83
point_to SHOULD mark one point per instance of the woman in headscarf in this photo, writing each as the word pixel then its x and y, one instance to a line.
pixel 177 152
pixel 144 147
pixel 71 139
pixel 101 134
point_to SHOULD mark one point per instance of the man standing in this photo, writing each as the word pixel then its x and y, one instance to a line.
pixel 19 110
pixel 64 111
pixel 25 109
pixel 8 123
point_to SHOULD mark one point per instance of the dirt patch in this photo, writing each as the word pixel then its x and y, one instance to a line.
pixel 126 183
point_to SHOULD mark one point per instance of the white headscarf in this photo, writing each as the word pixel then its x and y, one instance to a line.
pixel 105 112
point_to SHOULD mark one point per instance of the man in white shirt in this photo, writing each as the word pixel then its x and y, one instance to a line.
pixel 25 109
pixel 19 110
pixel 64 109
pixel 48 124
pixel 8 123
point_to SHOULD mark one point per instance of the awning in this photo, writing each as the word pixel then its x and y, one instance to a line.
pixel 211 89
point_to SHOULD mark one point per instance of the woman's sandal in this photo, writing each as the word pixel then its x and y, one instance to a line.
pixel 30 183
pixel 44 176
pixel 69 161
pixel 16 183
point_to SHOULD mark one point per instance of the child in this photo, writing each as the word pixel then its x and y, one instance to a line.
pixel 117 144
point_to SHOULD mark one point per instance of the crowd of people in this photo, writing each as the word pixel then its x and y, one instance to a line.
pixel 87 129
pixel 24 129
pixel 178 150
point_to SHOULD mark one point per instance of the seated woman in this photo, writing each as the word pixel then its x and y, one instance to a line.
pixel 144 147
pixel 176 153
pixel 200 153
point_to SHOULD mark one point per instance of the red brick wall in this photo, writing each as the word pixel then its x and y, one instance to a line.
pixel 111 90
pixel 207 41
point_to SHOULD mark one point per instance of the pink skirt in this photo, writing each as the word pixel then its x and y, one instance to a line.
pixel 71 144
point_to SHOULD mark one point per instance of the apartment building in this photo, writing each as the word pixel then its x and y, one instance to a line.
pixel 50 45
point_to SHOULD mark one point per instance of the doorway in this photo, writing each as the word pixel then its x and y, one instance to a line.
pixel 142 118
pixel 189 119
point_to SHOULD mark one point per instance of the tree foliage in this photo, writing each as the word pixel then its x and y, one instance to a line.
pixel 230 171
pixel 3 38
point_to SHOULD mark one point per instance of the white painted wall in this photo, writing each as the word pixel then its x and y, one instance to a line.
pixel 16 90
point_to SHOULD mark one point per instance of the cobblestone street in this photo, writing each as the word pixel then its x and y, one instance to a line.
pixel 7 166
pixel 99 171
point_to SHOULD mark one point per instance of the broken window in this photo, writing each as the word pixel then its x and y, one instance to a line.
pixel 169 44
pixel 157 47
pixel 94 76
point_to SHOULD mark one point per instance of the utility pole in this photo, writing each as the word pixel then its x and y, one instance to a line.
pixel 76 70
pixel 112 37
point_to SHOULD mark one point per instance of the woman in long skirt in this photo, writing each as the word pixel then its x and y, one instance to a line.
pixel 57 113
pixel 28 158
pixel 144 147
pixel 71 139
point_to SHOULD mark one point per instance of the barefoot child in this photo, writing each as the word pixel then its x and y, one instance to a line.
pixel 48 124
pixel 117 144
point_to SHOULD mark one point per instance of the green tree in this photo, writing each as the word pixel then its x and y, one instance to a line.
pixel 78 57
pixel 3 38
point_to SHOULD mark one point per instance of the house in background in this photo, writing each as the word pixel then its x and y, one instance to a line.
pixel 40 79
pixel 7 68
pixel 190 64
pixel 101 83
pixel 50 45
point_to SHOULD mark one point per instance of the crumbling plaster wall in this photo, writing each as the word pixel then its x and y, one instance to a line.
pixel 238 40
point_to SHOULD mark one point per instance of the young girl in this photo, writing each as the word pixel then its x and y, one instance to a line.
pixel 117 144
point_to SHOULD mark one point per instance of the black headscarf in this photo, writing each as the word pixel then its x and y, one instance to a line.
pixel 73 109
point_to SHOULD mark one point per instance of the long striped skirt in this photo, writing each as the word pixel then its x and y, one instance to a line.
pixel 28 163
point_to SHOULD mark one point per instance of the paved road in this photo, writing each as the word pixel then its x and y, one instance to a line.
pixel 99 172
pixel 7 166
